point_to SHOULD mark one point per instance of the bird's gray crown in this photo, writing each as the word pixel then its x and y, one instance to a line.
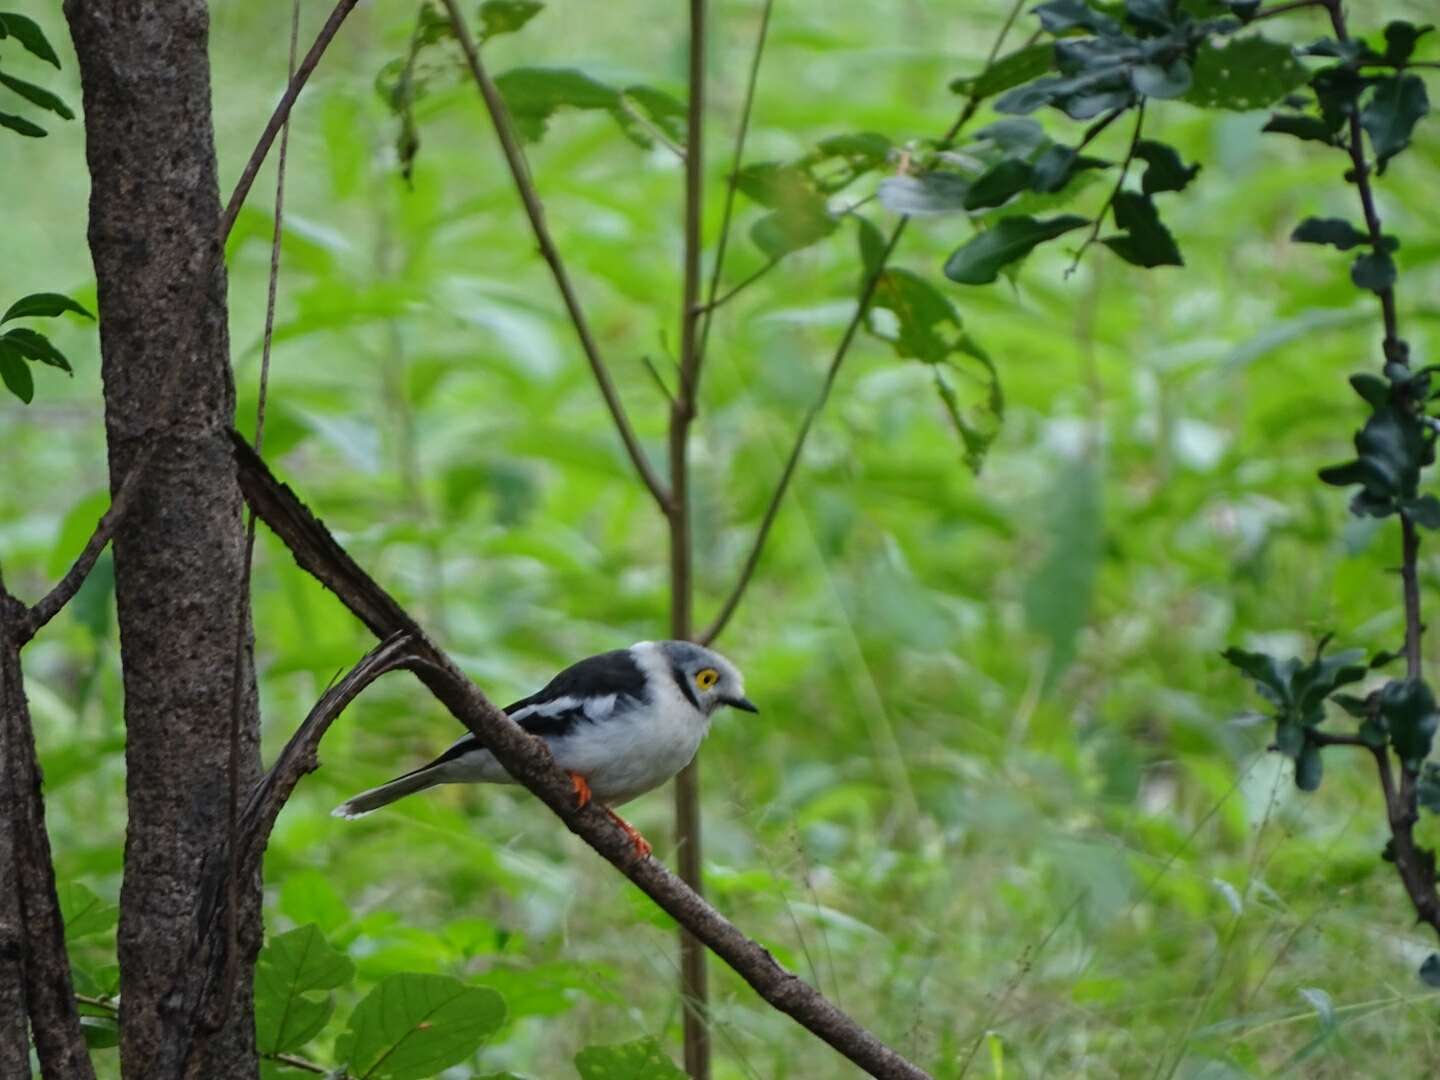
pixel 705 677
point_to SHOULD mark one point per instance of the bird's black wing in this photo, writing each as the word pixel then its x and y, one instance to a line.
pixel 560 706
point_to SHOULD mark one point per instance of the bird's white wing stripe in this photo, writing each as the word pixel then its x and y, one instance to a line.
pixel 600 708
pixel 553 707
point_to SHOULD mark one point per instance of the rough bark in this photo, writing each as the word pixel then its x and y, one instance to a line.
pixel 34 967
pixel 154 227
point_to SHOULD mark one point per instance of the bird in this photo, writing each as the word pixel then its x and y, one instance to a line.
pixel 620 724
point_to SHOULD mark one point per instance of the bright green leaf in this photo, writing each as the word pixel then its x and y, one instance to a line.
pixel 292 968
pixel 643 1059
pixel 413 1026
pixel 84 913
pixel 506 16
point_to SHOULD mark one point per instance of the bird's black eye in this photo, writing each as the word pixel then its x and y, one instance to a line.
pixel 706 678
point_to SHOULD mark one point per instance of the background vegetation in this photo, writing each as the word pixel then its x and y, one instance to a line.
pixel 1004 801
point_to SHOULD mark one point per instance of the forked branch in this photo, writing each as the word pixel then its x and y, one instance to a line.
pixel 529 762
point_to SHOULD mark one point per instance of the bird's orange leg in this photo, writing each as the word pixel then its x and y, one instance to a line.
pixel 582 790
pixel 642 846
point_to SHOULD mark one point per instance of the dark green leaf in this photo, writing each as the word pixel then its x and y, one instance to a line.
pixel 15 373
pixel 293 967
pixel 1243 73
pixel 1309 768
pixel 1161 80
pixel 1392 112
pixel 1427 787
pixel 1424 511
pixel 1290 739
pixel 1409 710
pixel 1355 706
pixel 663 110
pixel 1016 136
pixel 414 1026
pixel 1054 168
pixel 998 184
pixel 506 16
pixel 1146 241
pixel 1430 970
pixel 1375 390
pixel 1374 270
pixel 643 1059
pixel 979 261
pixel 29 34
pixel 1164 171
pixel 43 305
pixel 1334 231
pixel 37 95
pixel 1008 72
pixel 34 345
pixel 927 193
pixel 1058 16
pixel 21 126
pixel 1311 128
pixel 1400 38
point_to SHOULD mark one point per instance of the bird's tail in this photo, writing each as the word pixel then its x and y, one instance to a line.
pixel 366 801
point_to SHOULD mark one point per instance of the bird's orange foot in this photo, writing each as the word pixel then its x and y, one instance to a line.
pixel 642 846
pixel 582 790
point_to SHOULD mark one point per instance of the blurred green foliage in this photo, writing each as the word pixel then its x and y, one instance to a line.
pixel 1005 802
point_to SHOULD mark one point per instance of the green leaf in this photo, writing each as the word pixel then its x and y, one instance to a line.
pixel 1241 74
pixel 34 345
pixel 664 111
pixel 998 183
pixel 780 232
pixel 1424 511
pixel 413 1026
pixel 1058 16
pixel 1374 389
pixel 1161 80
pixel 37 95
pixel 1146 241
pixel 43 305
pixel 1336 232
pixel 101 1032
pixel 1374 270
pixel 292 967
pixel 872 245
pixel 1390 116
pixel 21 126
pixel 28 33
pixel 1164 171
pixel 1427 787
pixel 534 94
pixel 980 260
pixel 84 913
pixel 1057 596
pixel 642 1059
pixel 1408 706
pixel 924 193
pixel 1400 39
pixel 1008 72
pixel 1055 167
pixel 1309 128
pixel 15 373
pixel 1309 768
pixel 506 16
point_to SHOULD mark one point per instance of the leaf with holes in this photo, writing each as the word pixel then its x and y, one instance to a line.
pixel 413 1026
pixel 291 977
pixel 1243 74
pixel 980 260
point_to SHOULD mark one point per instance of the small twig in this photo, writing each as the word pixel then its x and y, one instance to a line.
pixel 530 198
pixel 659 382
pixel 732 186
pixel 1324 738
pixel 1119 185
pixel 720 301
pixel 53 602
pixel 972 100
pixel 282 113
pixel 757 546
pixel 242 605
pixel 651 128
pixel 1096 128
pixel 1282 9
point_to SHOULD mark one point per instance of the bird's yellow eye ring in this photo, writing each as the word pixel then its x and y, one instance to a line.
pixel 707 678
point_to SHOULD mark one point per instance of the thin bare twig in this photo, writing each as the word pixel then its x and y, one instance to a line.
pixel 732 186
pixel 53 602
pixel 281 115
pixel 734 291
pixel 1119 183
pixel 529 761
pixel 515 159
pixel 242 613
pixel 1282 9
pixel 757 546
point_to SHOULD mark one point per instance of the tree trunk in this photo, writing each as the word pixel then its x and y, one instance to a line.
pixel 154 226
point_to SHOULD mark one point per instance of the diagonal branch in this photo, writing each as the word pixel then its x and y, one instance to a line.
pixel 757 546
pixel 529 762
pixel 525 186
pixel 53 602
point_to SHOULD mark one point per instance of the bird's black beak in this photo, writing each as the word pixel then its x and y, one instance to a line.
pixel 742 703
